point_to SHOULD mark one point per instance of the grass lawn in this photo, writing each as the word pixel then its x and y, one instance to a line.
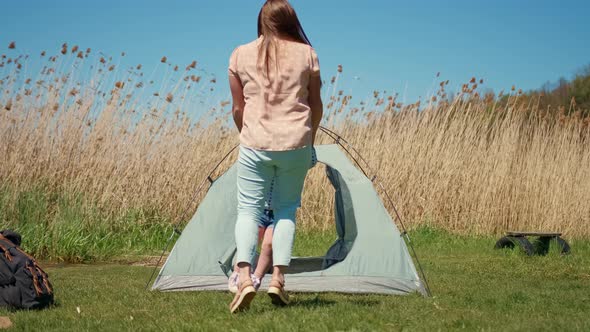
pixel 474 287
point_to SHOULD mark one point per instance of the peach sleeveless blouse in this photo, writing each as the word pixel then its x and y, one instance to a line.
pixel 277 116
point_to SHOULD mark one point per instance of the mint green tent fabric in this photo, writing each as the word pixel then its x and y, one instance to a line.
pixel 369 255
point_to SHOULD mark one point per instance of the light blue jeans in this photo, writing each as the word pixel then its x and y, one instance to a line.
pixel 256 170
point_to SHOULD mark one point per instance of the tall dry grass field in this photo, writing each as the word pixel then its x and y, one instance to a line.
pixel 84 123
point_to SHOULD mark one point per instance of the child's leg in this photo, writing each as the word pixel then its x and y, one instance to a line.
pixel 265 259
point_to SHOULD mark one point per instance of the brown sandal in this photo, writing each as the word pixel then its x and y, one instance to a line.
pixel 244 297
pixel 276 291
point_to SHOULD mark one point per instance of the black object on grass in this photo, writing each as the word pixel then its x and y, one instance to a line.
pixel 538 247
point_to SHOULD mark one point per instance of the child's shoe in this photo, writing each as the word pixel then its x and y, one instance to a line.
pixel 256 282
pixel 232 282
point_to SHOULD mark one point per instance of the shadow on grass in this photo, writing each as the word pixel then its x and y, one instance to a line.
pixel 312 303
pixel 10 309
pixel 362 302
pixel 318 301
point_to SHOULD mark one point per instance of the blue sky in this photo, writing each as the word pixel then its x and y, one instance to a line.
pixel 388 45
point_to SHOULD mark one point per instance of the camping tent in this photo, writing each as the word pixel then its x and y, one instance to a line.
pixel 369 255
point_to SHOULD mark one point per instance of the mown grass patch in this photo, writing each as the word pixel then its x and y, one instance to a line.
pixel 475 288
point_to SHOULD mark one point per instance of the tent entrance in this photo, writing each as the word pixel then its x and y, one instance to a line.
pixel 298 264
pixel 305 264
pixel 345 233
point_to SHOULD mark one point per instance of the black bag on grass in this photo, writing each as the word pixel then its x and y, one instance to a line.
pixel 23 284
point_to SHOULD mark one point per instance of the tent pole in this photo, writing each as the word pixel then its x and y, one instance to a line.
pixel 339 139
pixel 188 208
pixel 407 236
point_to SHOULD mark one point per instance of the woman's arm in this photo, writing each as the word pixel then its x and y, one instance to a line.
pixel 238 104
pixel 315 104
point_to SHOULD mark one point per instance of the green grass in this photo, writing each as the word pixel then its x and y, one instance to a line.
pixel 67 228
pixel 475 288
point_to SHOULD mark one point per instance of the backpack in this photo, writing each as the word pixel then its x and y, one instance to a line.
pixel 23 284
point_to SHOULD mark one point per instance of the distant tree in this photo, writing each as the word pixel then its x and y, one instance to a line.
pixel 561 92
pixel 571 96
pixel 580 89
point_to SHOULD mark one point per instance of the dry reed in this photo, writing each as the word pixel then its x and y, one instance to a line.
pixel 462 162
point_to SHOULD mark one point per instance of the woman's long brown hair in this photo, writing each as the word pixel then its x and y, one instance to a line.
pixel 277 20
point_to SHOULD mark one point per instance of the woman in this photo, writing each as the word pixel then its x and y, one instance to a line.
pixel 275 84
pixel 265 230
